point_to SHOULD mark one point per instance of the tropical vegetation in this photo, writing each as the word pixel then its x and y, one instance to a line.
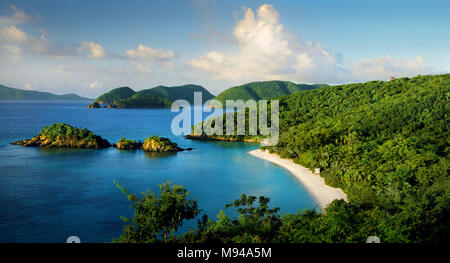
pixel 157 97
pixel 386 144
pixel 262 90
pixel 65 136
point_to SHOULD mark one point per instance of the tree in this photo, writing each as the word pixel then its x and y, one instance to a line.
pixel 155 217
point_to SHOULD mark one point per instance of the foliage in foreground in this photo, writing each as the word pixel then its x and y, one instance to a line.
pixel 157 218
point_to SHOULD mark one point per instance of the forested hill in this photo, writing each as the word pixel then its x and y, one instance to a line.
pixel 263 90
pixel 185 92
pixel 116 94
pixel 7 93
pixel 160 96
pixel 386 144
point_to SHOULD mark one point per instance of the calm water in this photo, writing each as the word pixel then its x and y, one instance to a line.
pixel 47 195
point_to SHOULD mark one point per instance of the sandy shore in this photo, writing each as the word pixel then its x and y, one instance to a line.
pixel 315 184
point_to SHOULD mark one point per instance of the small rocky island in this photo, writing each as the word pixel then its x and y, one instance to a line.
pixel 61 135
pixel 96 105
pixel 124 144
pixel 151 144
pixel 65 136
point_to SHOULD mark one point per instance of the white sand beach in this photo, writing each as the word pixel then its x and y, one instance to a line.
pixel 315 184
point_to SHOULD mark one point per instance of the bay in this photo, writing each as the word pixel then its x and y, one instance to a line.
pixel 47 195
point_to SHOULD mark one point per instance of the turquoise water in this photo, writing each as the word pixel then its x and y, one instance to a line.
pixel 47 195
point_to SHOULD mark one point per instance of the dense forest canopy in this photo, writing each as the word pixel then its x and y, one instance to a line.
pixel 141 100
pixel 115 95
pixel 263 90
pixel 185 92
pixel 386 144
pixel 157 97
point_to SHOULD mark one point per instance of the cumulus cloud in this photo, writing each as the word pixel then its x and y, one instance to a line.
pixel 143 69
pixel 94 50
pixel 10 52
pixel 144 52
pixel 266 50
pixel 386 66
pixel 12 34
pixel 17 16
pixel 95 85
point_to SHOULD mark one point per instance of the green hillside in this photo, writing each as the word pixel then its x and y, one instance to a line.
pixel 386 144
pixel 185 92
pixel 7 93
pixel 141 100
pixel 115 94
pixel 263 90
pixel 160 96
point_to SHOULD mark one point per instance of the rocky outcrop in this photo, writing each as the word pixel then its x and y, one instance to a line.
pixel 160 144
pixel 65 136
pixel 124 144
pixel 62 135
pixel 94 105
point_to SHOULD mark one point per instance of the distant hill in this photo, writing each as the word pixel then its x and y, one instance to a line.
pixel 263 90
pixel 142 100
pixel 7 93
pixel 185 92
pixel 115 95
pixel 160 96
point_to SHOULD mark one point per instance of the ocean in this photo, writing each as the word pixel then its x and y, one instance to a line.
pixel 47 195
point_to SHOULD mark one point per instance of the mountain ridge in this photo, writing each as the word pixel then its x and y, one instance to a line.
pixel 159 96
pixel 8 93
pixel 263 90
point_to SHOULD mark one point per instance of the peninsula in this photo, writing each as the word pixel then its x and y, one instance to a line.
pixel 157 97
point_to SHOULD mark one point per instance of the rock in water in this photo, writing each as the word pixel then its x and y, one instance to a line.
pixel 65 136
pixel 94 105
pixel 124 144
pixel 159 144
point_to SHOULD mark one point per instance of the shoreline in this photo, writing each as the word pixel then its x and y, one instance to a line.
pixel 218 138
pixel 314 184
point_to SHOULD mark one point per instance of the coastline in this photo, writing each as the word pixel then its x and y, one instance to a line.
pixel 218 138
pixel 322 193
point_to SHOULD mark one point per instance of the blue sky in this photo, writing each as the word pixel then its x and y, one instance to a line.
pixel 88 47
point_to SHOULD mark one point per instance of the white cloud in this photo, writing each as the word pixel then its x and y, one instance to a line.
pixel 95 50
pixel 267 51
pixel 28 86
pixel 386 66
pixel 44 34
pixel 143 69
pixel 17 16
pixel 12 50
pixel 149 53
pixel 12 34
pixel 95 85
